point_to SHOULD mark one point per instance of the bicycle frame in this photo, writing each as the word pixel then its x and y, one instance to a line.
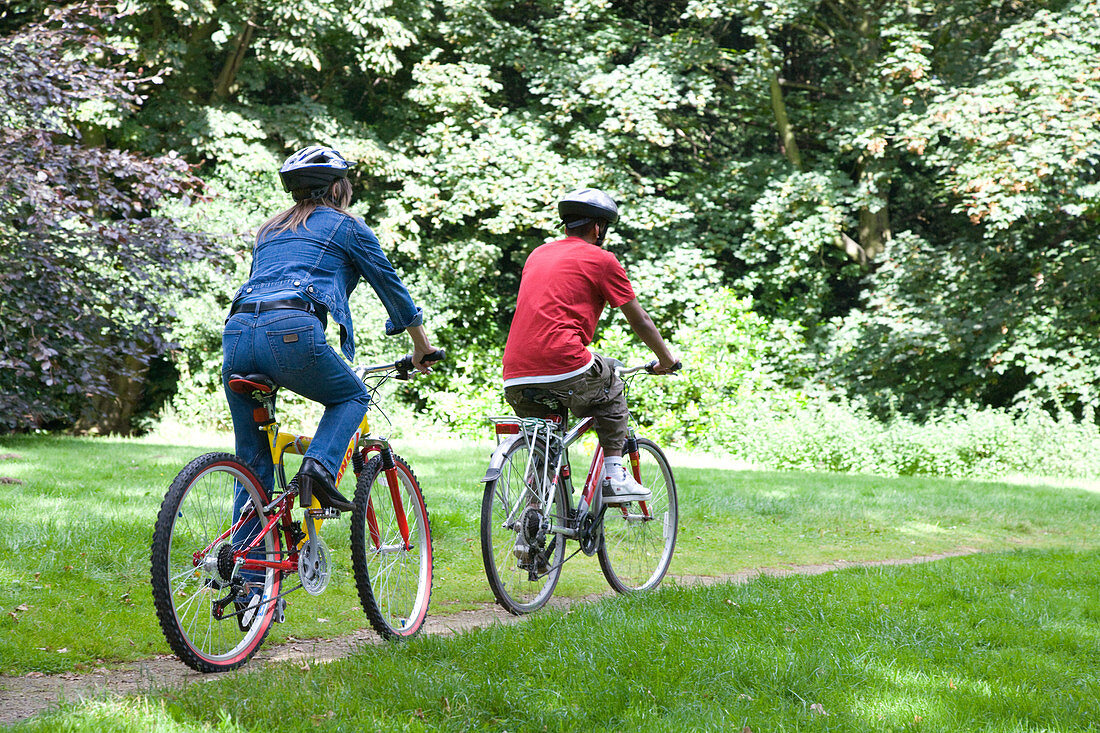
pixel 279 508
pixel 558 443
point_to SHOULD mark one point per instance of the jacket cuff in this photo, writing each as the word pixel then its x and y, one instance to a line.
pixel 417 320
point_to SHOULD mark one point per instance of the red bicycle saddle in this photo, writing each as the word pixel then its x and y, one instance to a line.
pixel 252 383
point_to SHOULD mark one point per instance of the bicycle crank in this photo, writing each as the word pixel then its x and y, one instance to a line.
pixel 313 566
pixel 313 562
pixel 590 532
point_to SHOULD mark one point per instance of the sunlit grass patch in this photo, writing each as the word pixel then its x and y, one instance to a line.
pixel 76 551
pixel 124 715
pixel 983 643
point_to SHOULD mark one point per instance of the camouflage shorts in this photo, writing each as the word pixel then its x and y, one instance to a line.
pixel 597 393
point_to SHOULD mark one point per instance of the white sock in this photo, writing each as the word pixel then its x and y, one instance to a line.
pixel 613 466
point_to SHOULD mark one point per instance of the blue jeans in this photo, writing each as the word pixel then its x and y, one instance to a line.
pixel 289 346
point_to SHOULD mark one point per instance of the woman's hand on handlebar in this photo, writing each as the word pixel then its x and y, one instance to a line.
pixel 423 360
pixel 423 351
pixel 405 365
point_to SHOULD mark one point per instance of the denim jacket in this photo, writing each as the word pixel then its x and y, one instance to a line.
pixel 323 261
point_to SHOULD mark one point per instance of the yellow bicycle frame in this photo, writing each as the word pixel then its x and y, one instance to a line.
pixel 282 444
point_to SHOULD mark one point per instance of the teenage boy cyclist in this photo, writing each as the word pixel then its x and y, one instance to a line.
pixel 563 290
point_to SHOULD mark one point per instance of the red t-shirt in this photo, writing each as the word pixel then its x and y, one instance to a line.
pixel 562 292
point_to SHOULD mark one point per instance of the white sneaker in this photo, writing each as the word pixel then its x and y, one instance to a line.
pixel 521 551
pixel 246 612
pixel 621 488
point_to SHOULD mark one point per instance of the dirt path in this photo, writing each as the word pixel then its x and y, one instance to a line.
pixel 23 697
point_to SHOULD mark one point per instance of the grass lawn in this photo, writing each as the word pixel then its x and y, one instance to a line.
pixel 866 646
pixel 1002 642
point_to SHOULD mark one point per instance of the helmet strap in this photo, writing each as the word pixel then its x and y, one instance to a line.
pixel 601 232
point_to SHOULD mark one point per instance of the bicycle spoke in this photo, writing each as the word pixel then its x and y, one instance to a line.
pixel 198 512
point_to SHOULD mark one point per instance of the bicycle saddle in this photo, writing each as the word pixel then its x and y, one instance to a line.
pixel 252 383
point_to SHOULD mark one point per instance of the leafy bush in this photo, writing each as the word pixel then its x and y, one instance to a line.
pixel 824 432
pixel 88 262
pixel 728 352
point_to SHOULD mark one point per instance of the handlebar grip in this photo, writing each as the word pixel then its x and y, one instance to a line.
pixel 404 365
pixel 651 367
pixel 437 355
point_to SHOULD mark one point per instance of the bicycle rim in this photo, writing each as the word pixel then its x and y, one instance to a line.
pixel 394 577
pixel 504 500
pixel 636 550
pixel 192 532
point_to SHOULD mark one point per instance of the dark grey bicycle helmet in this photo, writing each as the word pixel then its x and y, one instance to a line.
pixel 313 169
pixel 585 204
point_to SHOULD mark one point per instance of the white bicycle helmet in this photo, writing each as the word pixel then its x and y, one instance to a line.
pixel 312 168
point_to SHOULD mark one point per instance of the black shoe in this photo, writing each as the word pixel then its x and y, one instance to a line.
pixel 314 480
pixel 246 612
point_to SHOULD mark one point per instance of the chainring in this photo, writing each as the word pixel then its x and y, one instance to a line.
pixel 313 566
pixel 590 535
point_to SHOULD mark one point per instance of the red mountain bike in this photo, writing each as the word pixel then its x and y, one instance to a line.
pixel 222 548
pixel 528 502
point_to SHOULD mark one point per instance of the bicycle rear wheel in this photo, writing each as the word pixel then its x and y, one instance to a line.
pixel 637 547
pixel 394 576
pixel 521 586
pixel 209 512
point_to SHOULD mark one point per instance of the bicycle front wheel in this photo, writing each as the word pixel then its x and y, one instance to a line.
pixel 211 511
pixel 391 548
pixel 638 541
pixel 522 579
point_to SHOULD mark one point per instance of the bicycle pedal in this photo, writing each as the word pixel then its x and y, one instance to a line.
pixel 323 513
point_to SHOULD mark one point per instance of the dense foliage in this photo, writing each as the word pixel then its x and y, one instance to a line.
pixel 889 203
pixel 87 268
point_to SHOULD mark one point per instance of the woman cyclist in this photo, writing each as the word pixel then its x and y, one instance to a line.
pixel 306 262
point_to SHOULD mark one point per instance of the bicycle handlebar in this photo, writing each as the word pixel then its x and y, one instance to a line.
pixel 403 366
pixel 649 368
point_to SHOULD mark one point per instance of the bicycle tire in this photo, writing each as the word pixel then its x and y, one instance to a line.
pixel 394 580
pixel 635 552
pixel 512 585
pixel 196 514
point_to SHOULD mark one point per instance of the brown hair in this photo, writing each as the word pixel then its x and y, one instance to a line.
pixel 337 196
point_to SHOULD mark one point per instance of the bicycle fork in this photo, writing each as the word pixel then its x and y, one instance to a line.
pixel 389 470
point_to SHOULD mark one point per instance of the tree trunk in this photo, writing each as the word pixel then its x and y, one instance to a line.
pixel 233 64
pixel 874 230
pixel 112 415
pixel 782 124
pixel 874 226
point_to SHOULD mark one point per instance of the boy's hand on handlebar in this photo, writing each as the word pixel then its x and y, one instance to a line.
pixel 656 367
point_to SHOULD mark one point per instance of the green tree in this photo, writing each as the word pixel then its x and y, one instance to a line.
pixel 85 263
pixel 993 300
pixel 911 185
